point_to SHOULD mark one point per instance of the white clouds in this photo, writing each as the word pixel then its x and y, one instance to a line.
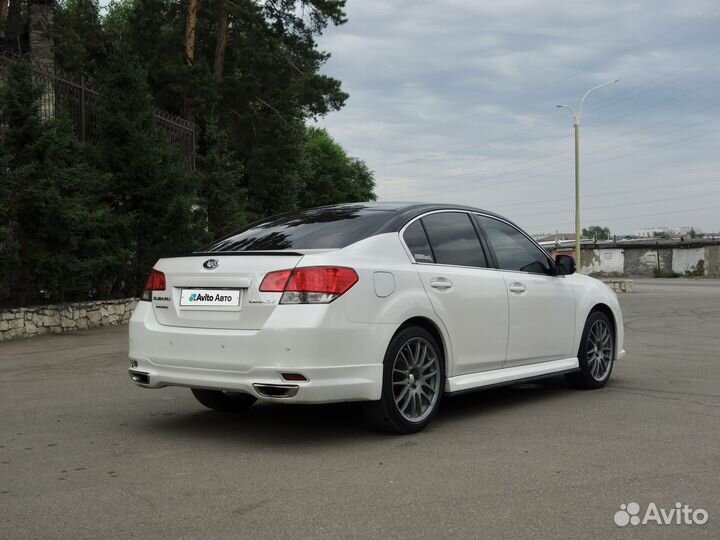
pixel 453 100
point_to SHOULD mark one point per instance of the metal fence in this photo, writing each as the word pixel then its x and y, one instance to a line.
pixel 79 99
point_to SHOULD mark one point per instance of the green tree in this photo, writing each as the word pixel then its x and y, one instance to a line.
pixel 80 42
pixel 259 77
pixel 596 232
pixel 149 188
pixel 53 218
pixel 9 249
pixel 222 192
pixel 329 175
pixel 20 116
pixel 100 215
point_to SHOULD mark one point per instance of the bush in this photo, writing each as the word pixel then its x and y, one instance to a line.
pixel 659 273
pixel 150 191
pixel 53 218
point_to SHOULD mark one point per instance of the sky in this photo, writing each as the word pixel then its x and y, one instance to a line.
pixel 455 101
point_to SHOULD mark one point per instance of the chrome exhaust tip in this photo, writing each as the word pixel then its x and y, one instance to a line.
pixel 139 377
pixel 276 390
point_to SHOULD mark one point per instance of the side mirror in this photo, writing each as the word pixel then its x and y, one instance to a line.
pixel 564 265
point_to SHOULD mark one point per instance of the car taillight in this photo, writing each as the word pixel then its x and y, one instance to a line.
pixel 155 282
pixel 275 281
pixel 310 285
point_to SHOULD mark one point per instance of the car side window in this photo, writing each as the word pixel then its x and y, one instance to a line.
pixel 453 239
pixel 418 244
pixel 513 250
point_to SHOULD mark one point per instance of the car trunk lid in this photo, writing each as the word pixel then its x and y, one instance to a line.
pixel 221 291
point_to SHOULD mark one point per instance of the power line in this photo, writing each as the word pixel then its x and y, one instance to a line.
pixel 633 216
pixel 657 104
pixel 635 47
pixel 459 150
pixel 621 117
pixel 652 148
pixel 618 97
pixel 517 171
pixel 613 56
pixel 596 143
pixel 622 145
pixel 648 201
pixel 557 171
pixel 624 52
pixel 590 195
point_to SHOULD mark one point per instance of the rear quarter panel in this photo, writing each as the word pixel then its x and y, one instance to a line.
pixel 363 303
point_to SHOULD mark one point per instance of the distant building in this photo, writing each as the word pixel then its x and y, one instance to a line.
pixel 555 237
pixel 666 232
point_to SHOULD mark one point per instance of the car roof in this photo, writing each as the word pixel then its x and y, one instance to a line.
pixel 400 212
pixel 389 217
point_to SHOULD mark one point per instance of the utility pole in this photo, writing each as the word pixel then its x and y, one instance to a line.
pixel 578 229
pixel 576 126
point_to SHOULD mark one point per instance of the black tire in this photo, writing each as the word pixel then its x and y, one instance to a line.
pixel 595 371
pixel 423 387
pixel 217 400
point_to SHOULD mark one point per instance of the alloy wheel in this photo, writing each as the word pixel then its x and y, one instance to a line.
pixel 416 379
pixel 600 349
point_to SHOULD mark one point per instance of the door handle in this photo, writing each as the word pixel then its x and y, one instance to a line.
pixel 517 287
pixel 440 283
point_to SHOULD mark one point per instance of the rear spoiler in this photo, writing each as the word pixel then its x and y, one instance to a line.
pixel 234 253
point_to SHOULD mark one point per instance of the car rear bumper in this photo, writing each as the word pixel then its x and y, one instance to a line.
pixel 341 361
pixel 324 385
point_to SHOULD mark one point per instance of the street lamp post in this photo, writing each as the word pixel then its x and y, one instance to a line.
pixel 576 126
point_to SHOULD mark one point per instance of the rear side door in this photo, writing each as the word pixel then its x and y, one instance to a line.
pixel 541 304
pixel 469 298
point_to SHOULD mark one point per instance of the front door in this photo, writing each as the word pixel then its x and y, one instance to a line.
pixel 541 305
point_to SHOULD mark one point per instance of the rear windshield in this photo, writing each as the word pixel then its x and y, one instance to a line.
pixel 319 228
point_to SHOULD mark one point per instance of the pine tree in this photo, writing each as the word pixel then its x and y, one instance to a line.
pixel 221 183
pixel 54 220
pixel 78 36
pixel 149 186
pixel 256 66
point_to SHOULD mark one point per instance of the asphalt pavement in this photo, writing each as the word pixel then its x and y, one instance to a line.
pixel 86 454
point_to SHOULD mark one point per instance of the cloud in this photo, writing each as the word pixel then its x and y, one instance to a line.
pixel 454 101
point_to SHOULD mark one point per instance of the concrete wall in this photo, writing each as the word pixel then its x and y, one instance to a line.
pixel 712 261
pixel 55 319
pixel 689 261
pixel 609 262
pixel 641 261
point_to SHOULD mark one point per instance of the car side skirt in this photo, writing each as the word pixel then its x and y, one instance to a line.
pixel 496 377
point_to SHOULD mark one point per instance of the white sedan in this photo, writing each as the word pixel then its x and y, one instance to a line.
pixel 393 305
